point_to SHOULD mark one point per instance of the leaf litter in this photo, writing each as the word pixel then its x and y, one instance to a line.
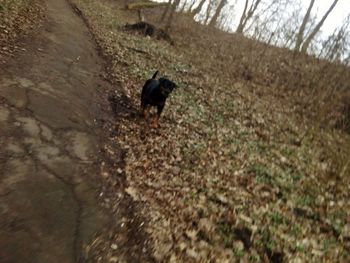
pixel 227 177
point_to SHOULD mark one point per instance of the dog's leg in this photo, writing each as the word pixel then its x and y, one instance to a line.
pixel 145 111
pixel 156 119
pixel 155 123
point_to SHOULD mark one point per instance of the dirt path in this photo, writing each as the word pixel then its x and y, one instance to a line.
pixel 48 150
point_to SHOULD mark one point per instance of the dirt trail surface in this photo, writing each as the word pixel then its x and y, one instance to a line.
pixel 48 148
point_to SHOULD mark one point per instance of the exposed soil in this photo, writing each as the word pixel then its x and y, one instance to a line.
pixel 54 116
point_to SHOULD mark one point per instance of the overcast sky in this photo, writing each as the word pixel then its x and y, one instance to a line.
pixel 336 17
pixel 321 6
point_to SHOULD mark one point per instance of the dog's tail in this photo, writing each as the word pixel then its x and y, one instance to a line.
pixel 155 75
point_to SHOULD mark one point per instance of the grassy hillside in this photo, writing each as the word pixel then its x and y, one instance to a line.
pixel 245 165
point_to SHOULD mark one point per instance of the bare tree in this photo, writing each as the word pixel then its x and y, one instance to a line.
pixel 192 5
pixel 214 19
pixel 166 10
pixel 338 44
pixel 183 7
pixel 346 60
pixel 303 41
pixel 247 14
pixel 207 13
pixel 171 15
pixel 285 34
pixel 301 32
pixel 267 21
pixel 226 19
pixel 197 10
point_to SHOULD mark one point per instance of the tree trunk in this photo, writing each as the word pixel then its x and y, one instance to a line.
pixel 300 35
pixel 161 20
pixel 207 15
pixel 241 21
pixel 182 10
pixel 171 15
pixel 246 16
pixel 317 28
pixel 192 5
pixel 216 15
pixel 197 9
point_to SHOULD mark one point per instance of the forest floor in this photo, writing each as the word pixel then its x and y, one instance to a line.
pixel 233 174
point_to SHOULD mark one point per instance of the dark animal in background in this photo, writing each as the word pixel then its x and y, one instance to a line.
pixel 147 29
pixel 154 93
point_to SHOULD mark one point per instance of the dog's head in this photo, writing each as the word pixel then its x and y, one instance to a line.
pixel 166 86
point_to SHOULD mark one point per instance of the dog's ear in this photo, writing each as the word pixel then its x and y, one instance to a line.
pixel 155 75
pixel 173 85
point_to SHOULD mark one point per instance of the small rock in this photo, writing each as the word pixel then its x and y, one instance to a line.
pixel 206 225
pixel 114 246
pixel 192 253
pixel 191 234
pixel 176 170
pixel 238 245
pixel 182 246
pixel 113 259
pixel 132 192
pixel 317 252
pixel 222 198
pixel 162 251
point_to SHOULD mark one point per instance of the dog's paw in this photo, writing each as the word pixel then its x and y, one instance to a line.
pixel 155 124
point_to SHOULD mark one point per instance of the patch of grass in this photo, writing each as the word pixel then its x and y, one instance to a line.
pixel 193 151
pixel 201 235
pixel 140 72
pixel 328 244
pixel 261 148
pixel 305 200
pixel 287 151
pixel 239 253
pixel 254 258
pixel 338 226
pixel 296 230
pixel 277 218
pixel 225 228
pixel 270 244
pixel 262 174
pixel 300 248
pixel 265 239
pixel 297 176
pixel 181 67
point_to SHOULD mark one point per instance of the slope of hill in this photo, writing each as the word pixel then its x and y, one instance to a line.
pixel 245 165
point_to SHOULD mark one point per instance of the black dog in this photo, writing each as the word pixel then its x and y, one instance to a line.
pixel 154 93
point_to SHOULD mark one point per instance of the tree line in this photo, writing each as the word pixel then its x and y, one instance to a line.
pixel 283 23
